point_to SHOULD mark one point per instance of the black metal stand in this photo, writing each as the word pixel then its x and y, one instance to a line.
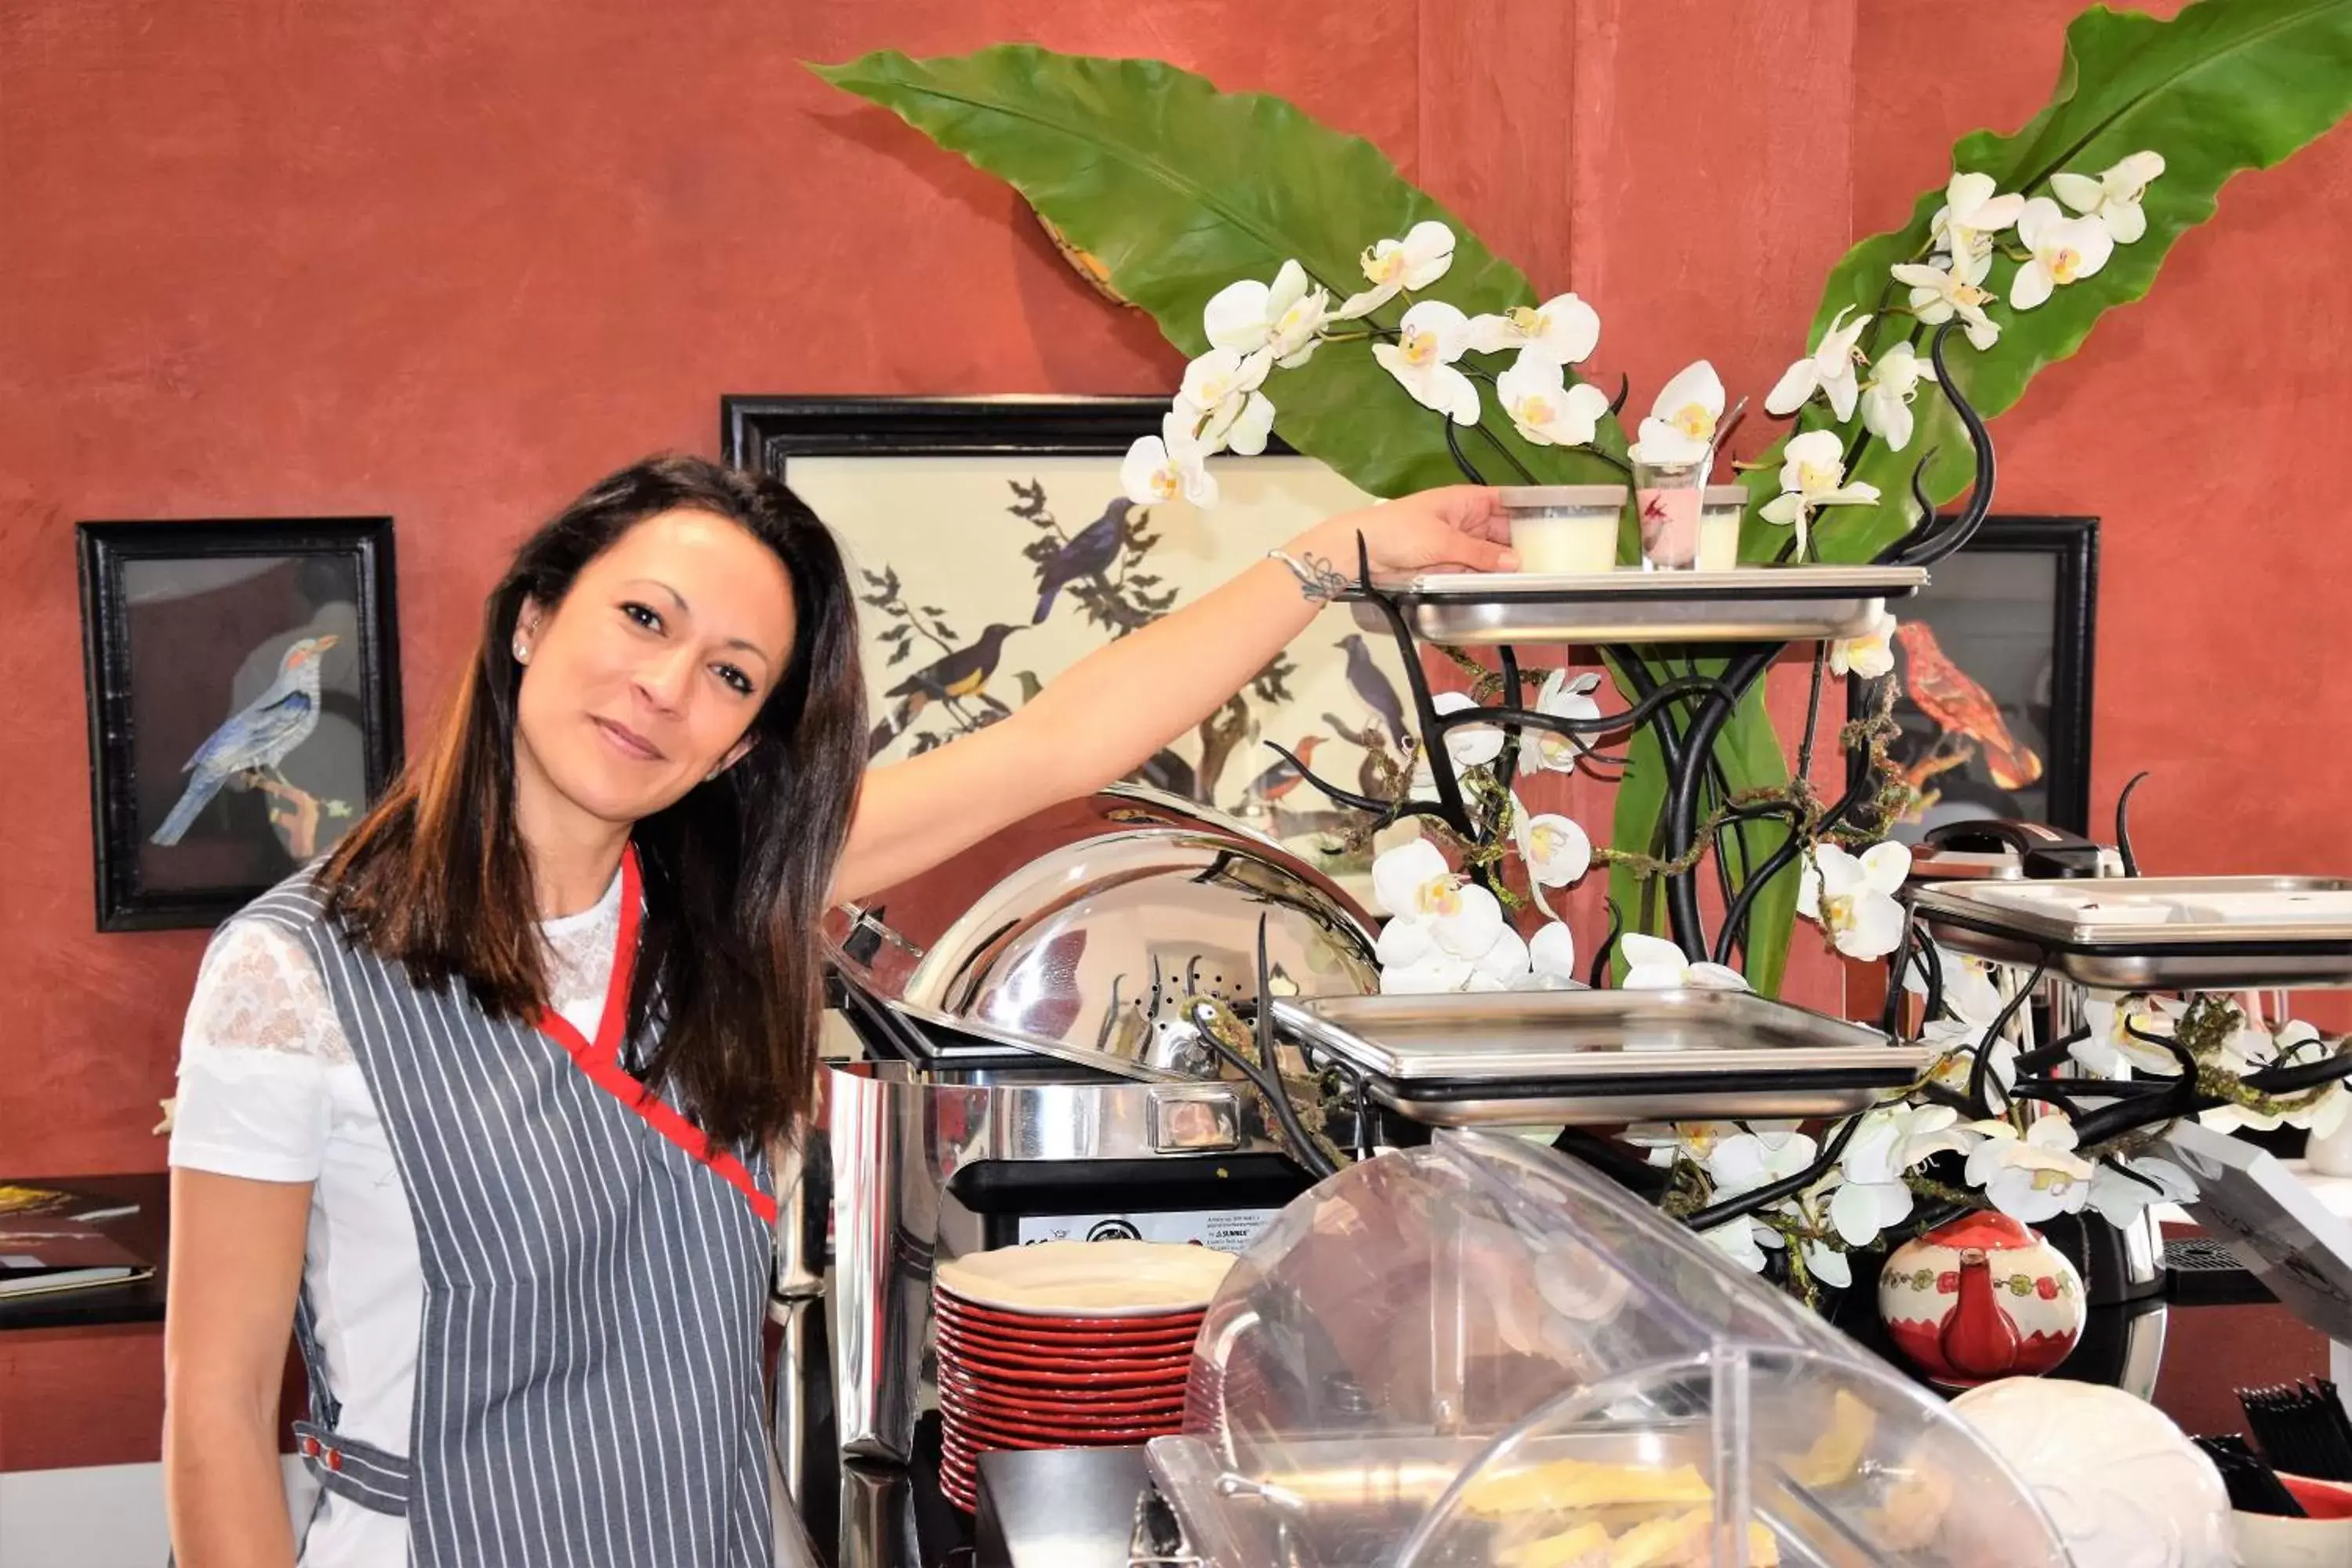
pixel 1686 713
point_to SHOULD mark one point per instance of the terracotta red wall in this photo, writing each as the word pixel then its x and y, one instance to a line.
pixel 451 262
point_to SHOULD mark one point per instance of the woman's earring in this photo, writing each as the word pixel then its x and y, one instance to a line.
pixel 521 651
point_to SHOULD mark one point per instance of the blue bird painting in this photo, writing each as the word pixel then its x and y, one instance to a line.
pixel 257 739
pixel 1093 552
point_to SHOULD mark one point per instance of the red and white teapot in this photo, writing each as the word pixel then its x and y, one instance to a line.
pixel 1982 1298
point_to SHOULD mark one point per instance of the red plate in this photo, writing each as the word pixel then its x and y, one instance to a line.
pixel 1069 1343
pixel 963 1385
pixel 979 1445
pixel 1068 1322
pixel 1071 1385
pixel 990 1400
pixel 994 1436
pixel 995 1359
pixel 1015 1419
pixel 1171 1377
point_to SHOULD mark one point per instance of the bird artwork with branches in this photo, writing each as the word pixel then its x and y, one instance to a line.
pixel 245 752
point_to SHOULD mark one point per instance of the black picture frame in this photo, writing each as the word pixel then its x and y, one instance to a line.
pixel 2056 559
pixel 763 433
pixel 244 584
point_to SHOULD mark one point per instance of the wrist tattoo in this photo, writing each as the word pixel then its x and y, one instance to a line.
pixel 1320 582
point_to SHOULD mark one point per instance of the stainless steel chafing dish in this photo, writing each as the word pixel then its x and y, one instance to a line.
pixel 1030 1063
pixel 1082 933
pixel 1601 1057
pixel 2159 933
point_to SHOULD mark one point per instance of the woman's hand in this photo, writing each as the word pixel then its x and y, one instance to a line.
pixel 1460 528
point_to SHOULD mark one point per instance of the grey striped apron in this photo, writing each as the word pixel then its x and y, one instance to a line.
pixel 588 1385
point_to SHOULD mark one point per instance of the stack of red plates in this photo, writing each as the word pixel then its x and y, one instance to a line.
pixel 1065 1345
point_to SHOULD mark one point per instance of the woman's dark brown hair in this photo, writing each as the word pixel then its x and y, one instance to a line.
pixel 736 873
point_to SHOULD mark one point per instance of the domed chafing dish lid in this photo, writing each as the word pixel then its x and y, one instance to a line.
pixel 1081 933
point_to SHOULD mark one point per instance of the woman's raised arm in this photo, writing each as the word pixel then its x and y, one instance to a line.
pixel 1106 714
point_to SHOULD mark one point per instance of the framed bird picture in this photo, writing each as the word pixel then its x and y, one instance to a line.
pixel 992 549
pixel 243 694
pixel 1993 659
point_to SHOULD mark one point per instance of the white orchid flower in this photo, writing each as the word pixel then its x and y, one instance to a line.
pixel 1886 396
pixel 1663 1142
pixel 1393 266
pixel 1470 745
pixel 1968 993
pixel 1681 422
pixel 2113 197
pixel 2111 1050
pixel 1827 371
pixel 1653 963
pixel 1444 934
pixel 1938 294
pixel 2033 1178
pixel 1558 851
pixel 1872 1193
pixel 1281 317
pixel 1163 468
pixel 2321 1112
pixel 1971 214
pixel 1812 475
pixel 1827 1264
pixel 1960 1043
pixel 1744 1162
pixel 1412 880
pixel 1421 956
pixel 2065 250
pixel 1432 335
pixel 1551 958
pixel 1869 653
pixel 1743 1240
pixel 1562 330
pixel 1219 406
pixel 2122 1195
pixel 1853 898
pixel 1543 407
pixel 1561 696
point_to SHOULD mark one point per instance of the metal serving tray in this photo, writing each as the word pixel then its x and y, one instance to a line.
pixel 2155 933
pixel 1601 1057
pixel 1745 603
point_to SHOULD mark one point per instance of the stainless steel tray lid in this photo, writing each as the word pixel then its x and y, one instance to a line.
pixel 1525 1036
pixel 1090 925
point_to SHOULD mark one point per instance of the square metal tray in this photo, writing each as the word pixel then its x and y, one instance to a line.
pixel 2155 934
pixel 1602 1057
pixel 1746 603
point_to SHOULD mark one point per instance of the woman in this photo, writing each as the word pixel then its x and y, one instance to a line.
pixel 480 1104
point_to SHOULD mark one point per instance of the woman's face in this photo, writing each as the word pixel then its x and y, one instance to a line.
pixel 644 680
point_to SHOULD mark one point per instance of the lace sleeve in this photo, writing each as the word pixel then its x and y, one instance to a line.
pixel 261 1037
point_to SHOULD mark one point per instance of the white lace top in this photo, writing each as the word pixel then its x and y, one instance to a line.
pixel 270 1091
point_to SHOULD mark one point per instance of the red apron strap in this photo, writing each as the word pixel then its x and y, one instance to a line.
pixel 602 1060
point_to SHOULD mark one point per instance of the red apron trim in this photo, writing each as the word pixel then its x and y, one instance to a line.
pixel 602 1060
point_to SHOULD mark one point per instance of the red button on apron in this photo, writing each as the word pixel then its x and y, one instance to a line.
pixel 334 1459
pixel 311 1447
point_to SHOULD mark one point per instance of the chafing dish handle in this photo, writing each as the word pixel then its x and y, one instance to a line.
pixel 2042 852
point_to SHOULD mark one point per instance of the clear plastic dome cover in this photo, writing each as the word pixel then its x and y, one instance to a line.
pixel 1480 1352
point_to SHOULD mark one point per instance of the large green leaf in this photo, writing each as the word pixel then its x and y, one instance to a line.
pixel 1750 754
pixel 1179 189
pixel 2224 87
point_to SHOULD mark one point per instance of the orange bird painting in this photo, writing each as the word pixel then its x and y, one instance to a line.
pixel 1960 708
